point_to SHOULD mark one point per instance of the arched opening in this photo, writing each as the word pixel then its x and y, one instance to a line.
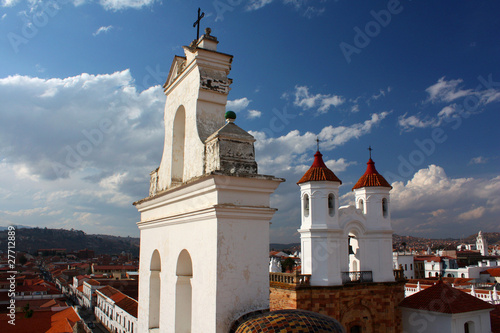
pixel 361 205
pixel 385 207
pixel 306 205
pixel 183 293
pixel 462 275
pixel 469 327
pixel 354 263
pixel 356 329
pixel 179 133
pixel 331 204
pixel 154 290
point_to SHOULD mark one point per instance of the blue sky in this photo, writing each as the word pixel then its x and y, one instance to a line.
pixel 82 106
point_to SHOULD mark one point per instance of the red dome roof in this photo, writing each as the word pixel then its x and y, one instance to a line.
pixel 371 177
pixel 319 171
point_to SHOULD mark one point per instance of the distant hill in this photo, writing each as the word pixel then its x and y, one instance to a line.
pixel 31 240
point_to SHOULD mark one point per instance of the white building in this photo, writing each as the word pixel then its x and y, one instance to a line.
pixel 444 309
pixel 206 222
pixel 116 311
pixel 404 260
pixel 346 243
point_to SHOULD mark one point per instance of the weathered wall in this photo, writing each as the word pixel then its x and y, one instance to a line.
pixel 373 306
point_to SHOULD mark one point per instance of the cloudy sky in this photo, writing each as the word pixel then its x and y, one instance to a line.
pixel 81 104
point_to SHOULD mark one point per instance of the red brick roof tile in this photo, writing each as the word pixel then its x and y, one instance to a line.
pixel 444 299
pixel 319 171
pixel 371 177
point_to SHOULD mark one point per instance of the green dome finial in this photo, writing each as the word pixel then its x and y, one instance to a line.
pixel 230 116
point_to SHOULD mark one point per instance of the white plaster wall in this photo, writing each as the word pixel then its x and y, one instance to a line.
pixel 224 225
pixel 204 110
pixel 419 321
pixel 404 259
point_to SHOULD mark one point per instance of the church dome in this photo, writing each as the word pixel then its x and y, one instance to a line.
pixel 290 321
pixel 371 177
pixel 319 171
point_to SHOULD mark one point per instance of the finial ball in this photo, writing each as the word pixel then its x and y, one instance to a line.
pixel 230 115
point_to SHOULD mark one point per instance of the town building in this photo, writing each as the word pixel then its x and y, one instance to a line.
pixel 116 311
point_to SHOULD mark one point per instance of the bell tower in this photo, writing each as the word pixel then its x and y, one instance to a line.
pixel 196 88
pixel 204 227
pixel 320 231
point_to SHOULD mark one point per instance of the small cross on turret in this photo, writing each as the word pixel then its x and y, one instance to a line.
pixel 197 23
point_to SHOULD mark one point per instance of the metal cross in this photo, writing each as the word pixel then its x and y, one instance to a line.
pixel 317 144
pixel 370 149
pixel 197 23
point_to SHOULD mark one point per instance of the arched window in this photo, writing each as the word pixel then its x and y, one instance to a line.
pixel 331 204
pixel 154 290
pixel 183 293
pixel 385 207
pixel 306 205
pixel 178 138
pixel 362 205
pixel 469 327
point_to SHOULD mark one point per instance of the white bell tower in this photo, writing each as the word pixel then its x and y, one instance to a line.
pixel 320 234
pixel 205 225
pixel 373 203
pixel 482 244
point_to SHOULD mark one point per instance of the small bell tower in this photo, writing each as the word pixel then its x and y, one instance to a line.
pixel 319 230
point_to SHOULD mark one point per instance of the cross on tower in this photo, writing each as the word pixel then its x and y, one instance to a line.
pixel 317 144
pixel 197 23
pixel 370 149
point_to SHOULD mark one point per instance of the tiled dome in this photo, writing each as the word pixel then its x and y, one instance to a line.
pixel 371 177
pixel 288 321
pixel 319 171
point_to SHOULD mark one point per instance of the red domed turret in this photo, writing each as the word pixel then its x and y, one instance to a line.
pixel 319 171
pixel 371 177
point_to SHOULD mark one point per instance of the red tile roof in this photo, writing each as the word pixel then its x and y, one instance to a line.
pixel 371 177
pixel 444 299
pixel 495 272
pixel 319 171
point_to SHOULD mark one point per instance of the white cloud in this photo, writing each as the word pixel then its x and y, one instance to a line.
pixel 102 30
pixel 257 4
pixel 78 144
pixel 446 91
pixel 478 160
pixel 125 4
pixel 307 101
pixel 431 203
pixel 3 16
pixel 252 114
pixel 411 122
pixel 473 214
pixel 237 104
pixel 8 3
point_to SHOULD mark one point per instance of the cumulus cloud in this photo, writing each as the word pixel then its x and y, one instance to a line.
pixel 80 143
pixel 252 114
pixel 433 203
pixel 307 101
pixel 237 104
pixel 102 30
